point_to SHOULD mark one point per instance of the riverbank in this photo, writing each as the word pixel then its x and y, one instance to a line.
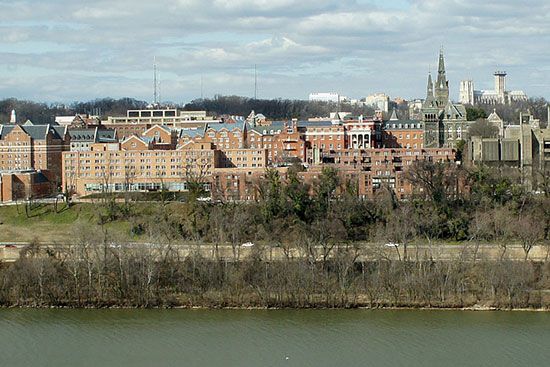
pixel 475 308
pixel 103 277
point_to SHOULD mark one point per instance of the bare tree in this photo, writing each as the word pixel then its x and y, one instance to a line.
pixel 197 171
pixel 529 231
pixel 494 225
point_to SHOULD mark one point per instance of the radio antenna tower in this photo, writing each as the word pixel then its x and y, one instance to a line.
pixel 255 82
pixel 155 82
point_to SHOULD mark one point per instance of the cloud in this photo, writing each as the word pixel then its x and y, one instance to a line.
pixel 354 47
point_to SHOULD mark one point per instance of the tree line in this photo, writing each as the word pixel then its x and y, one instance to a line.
pixel 45 113
pixel 510 113
pixel 276 109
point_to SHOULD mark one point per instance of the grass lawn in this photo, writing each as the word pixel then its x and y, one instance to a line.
pixel 46 226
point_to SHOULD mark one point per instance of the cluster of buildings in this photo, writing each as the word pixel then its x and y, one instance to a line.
pixel 171 149
pixel 228 158
pixel 523 144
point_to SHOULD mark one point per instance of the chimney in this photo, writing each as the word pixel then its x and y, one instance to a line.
pixel 521 118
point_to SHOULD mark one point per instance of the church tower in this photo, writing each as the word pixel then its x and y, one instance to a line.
pixel 444 121
pixel 429 102
pixel 442 84
pixel 430 117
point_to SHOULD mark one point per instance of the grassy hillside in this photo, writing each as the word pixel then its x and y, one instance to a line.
pixel 43 224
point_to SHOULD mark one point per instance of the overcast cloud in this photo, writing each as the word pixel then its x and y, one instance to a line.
pixel 66 50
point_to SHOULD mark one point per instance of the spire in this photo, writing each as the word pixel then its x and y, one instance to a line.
pixel 430 90
pixel 442 85
pixel 429 102
pixel 441 68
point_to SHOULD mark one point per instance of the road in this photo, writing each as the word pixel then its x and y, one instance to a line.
pixel 10 251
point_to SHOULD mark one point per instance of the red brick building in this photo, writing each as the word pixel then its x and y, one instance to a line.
pixel 403 134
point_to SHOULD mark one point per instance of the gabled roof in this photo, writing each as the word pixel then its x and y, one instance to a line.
pixel 36 132
pixel 5 130
pixel 457 109
pixel 60 130
pixel 82 134
pixel 494 116
pixel 64 119
pixel 266 130
pixel 147 139
pixel 163 127
pixel 192 144
pixel 184 145
pixel 106 136
pixel 192 133
pixel 220 127
pixel 142 139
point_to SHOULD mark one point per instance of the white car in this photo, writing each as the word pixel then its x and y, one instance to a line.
pixel 247 244
pixel 391 244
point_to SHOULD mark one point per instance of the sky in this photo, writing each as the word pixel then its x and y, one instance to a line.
pixel 73 50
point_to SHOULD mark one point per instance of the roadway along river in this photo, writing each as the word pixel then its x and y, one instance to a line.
pixel 272 338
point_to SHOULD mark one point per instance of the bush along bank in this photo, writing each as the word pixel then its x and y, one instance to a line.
pixel 95 275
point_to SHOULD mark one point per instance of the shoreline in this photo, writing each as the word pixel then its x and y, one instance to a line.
pixel 475 308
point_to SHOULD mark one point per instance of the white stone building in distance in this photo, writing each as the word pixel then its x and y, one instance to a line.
pixel 326 97
pixel 378 101
pixel 468 95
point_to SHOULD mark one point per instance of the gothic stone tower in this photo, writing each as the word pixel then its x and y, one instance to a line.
pixel 430 117
pixel 442 84
pixel 444 121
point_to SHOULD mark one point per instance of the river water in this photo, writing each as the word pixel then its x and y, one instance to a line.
pixel 273 338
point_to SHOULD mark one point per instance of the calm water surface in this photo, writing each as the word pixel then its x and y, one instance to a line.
pixel 272 338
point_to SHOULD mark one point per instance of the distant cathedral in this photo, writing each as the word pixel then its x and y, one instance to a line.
pixel 444 121
pixel 468 95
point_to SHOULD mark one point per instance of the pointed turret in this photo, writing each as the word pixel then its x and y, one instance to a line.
pixel 429 92
pixel 441 68
pixel 442 85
